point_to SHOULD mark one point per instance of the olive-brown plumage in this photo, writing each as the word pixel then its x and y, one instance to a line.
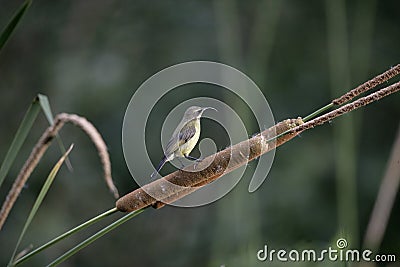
pixel 184 138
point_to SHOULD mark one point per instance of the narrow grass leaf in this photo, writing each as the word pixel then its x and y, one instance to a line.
pixel 40 198
pixel 10 27
pixel 94 237
pixel 19 138
pixel 44 103
pixel 76 229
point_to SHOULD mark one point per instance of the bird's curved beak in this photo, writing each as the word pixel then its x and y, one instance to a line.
pixel 204 109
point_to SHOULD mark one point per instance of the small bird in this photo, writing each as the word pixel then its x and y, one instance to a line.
pixel 184 138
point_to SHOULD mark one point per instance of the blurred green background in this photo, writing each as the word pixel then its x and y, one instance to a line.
pixel 89 57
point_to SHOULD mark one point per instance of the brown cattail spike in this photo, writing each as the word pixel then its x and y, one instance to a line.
pixel 165 190
pixel 363 101
pixel 387 75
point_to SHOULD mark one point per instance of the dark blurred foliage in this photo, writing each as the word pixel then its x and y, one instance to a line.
pixel 90 56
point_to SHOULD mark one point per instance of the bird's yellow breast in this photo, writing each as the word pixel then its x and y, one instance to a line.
pixel 187 147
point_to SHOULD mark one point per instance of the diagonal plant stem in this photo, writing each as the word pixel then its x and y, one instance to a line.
pixel 11 26
pixel 362 88
pixel 317 112
pixel 363 101
pixel 41 147
pixel 381 78
pixel 384 200
pixel 19 138
pixel 40 198
pixel 94 237
pixel 65 235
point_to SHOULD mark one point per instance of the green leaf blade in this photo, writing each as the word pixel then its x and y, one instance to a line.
pixel 45 104
pixel 19 138
pixel 65 235
pixel 9 29
pixel 39 199
pixel 94 237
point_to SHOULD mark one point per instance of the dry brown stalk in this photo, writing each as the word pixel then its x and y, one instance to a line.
pixel 385 199
pixel 211 168
pixel 41 147
pixel 381 78
pixel 363 101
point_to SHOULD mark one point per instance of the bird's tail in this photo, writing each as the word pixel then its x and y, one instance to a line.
pixel 160 165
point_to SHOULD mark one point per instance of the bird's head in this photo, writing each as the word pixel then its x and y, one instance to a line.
pixel 195 112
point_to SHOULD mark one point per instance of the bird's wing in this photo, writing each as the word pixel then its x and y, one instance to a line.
pixel 172 146
pixel 185 133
